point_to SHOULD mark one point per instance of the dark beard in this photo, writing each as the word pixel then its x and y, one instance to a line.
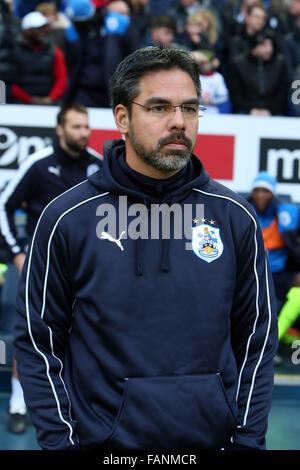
pixel 169 161
pixel 74 146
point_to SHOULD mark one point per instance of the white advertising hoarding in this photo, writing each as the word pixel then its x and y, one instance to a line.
pixel 233 148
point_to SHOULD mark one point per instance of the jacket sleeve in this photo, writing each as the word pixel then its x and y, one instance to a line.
pixel 18 191
pixel 44 315
pixel 254 338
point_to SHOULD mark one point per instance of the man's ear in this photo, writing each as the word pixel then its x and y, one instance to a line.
pixel 58 130
pixel 121 118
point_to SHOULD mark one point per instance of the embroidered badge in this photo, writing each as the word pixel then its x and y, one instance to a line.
pixel 206 242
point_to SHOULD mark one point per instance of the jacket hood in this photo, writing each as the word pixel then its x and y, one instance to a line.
pixel 105 180
pixel 146 190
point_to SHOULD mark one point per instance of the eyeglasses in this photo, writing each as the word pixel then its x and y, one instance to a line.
pixel 166 109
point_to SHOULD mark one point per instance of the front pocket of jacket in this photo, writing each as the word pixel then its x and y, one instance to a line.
pixel 173 412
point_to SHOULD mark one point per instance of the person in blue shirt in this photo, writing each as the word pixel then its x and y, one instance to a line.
pixel 280 222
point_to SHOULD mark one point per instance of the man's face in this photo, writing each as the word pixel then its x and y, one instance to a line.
pixel 164 142
pixel 74 134
pixel 264 50
pixel 36 36
pixel 257 19
pixel 295 8
pixel 261 198
pixel 162 36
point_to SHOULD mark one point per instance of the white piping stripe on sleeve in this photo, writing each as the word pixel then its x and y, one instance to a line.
pixel 29 320
pixel 10 188
pixel 50 240
pixel 264 345
pixel 257 307
pixel 60 371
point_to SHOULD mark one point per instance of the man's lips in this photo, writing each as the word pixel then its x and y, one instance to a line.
pixel 177 144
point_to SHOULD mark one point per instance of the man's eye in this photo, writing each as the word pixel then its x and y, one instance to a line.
pixel 189 109
pixel 159 108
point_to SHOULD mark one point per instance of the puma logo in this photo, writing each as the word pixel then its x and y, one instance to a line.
pixel 54 170
pixel 107 236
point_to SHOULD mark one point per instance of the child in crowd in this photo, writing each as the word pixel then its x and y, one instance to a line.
pixel 214 89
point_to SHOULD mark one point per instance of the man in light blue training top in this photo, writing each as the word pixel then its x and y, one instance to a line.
pixel 280 222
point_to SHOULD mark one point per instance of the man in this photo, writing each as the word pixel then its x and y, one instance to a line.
pixel 129 334
pixel 41 70
pixel 42 177
pixel 184 8
pixel 9 30
pixel 258 80
pixel 255 22
pixel 161 31
pixel 97 41
pixel 280 222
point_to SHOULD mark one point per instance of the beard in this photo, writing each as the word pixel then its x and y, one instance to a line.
pixel 168 160
pixel 75 145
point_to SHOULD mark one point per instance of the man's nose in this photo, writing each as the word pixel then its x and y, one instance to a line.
pixel 177 120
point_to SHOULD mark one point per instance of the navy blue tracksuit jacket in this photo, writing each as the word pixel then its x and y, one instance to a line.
pixel 131 342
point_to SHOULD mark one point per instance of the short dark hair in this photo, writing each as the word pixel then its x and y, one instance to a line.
pixel 61 116
pixel 124 84
pixel 162 21
pixel 250 8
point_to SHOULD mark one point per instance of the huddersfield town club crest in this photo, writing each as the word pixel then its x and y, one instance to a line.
pixel 207 243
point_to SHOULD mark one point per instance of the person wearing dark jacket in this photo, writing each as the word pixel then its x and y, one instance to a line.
pixel 41 70
pixel 258 81
pixel 144 322
pixel 280 222
pixel 255 22
pixel 41 178
pixel 10 31
pixel 96 43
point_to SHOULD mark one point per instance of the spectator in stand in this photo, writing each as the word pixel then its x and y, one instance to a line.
pixel 277 16
pixel 10 30
pixel 292 43
pixel 201 31
pixel 258 80
pixel 140 14
pixel 41 70
pixel 161 32
pixel 255 21
pixel 280 223
pixel 58 22
pixel 185 8
pixel 214 90
pixel 96 43
pixel 292 14
pixel 234 13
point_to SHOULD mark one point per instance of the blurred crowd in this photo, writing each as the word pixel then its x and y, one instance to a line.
pixel 248 51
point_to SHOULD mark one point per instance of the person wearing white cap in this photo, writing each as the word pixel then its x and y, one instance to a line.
pixel 280 223
pixel 42 75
